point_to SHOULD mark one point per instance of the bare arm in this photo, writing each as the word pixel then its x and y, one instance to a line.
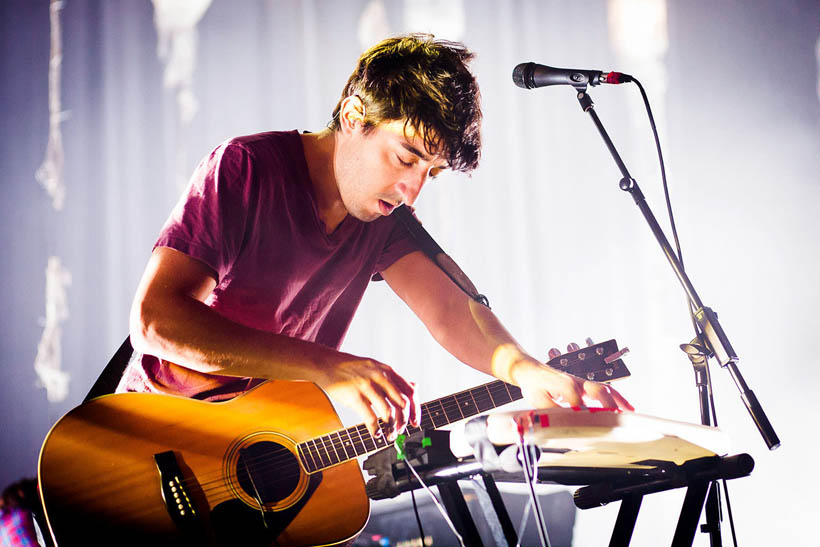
pixel 170 320
pixel 474 335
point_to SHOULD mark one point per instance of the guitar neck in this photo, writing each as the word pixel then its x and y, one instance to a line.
pixel 599 362
pixel 346 444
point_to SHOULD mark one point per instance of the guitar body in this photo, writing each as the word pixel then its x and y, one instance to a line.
pixel 100 473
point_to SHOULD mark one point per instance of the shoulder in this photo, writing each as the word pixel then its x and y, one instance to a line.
pixel 267 145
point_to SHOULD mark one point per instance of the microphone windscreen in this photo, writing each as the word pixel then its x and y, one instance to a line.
pixel 519 75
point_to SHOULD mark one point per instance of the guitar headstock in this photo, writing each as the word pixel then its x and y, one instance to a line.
pixel 599 362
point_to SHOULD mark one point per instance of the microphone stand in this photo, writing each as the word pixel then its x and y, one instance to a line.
pixel 710 342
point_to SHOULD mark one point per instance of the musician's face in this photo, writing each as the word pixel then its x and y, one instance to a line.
pixel 383 168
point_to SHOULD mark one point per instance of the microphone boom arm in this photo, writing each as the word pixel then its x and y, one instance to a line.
pixel 707 320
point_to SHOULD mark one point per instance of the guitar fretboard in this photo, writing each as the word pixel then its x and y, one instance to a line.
pixel 343 445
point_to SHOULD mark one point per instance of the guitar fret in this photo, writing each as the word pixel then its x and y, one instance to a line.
pixel 303 457
pixel 337 448
pixel 314 454
pixel 350 446
pixel 343 445
pixel 334 455
pixel 367 439
pixel 466 404
pixel 499 394
pixel 362 446
pixel 451 409
pixel 475 404
pixel 326 440
pixel 323 455
pixel 437 414
pixel 426 421
pixel 358 442
pixel 381 441
pixel 484 400
pixel 346 444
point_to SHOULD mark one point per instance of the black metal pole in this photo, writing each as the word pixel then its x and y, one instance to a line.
pixel 706 318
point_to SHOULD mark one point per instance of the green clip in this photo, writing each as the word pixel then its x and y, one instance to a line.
pixel 400 446
pixel 425 442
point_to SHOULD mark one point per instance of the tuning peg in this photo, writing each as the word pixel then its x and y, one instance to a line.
pixel 573 347
pixel 589 342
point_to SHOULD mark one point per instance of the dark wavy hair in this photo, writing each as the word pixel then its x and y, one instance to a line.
pixel 425 82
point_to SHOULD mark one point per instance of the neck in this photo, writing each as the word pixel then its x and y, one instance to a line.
pixel 320 151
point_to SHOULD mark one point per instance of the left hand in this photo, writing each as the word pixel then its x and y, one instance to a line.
pixel 545 387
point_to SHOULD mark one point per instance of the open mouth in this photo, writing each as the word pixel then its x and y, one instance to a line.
pixel 386 208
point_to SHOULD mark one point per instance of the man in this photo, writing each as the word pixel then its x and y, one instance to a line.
pixel 262 264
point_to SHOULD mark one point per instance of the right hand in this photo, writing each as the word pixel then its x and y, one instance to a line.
pixel 375 391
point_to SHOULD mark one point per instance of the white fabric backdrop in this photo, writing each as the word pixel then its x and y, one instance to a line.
pixel 541 227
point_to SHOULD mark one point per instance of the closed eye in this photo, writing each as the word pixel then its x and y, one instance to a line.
pixel 405 163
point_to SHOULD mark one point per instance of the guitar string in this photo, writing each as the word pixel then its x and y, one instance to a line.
pixel 449 406
pixel 218 491
pixel 214 481
pixel 451 403
pixel 446 409
pixel 222 492
pixel 211 485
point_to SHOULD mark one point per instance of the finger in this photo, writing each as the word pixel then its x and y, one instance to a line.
pixel 396 388
pixel 371 421
pixel 398 421
pixel 393 414
pixel 572 391
pixel 601 393
pixel 394 425
pixel 621 401
pixel 415 408
pixel 541 399
pixel 377 400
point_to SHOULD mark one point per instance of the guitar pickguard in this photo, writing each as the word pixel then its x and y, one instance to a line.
pixel 234 522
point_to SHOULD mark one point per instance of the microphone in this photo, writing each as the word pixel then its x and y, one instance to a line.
pixel 530 75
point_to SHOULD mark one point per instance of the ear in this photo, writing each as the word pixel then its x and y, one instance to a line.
pixel 351 113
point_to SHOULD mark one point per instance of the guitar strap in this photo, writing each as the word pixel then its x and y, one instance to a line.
pixel 437 254
pixel 113 371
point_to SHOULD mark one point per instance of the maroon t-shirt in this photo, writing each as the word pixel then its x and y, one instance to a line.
pixel 250 214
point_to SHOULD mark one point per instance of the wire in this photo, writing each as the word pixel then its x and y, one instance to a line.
pixel 531 477
pixel 729 512
pixel 416 509
pixel 690 305
pixel 436 501
pixel 522 526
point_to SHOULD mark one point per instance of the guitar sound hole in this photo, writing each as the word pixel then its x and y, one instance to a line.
pixel 274 471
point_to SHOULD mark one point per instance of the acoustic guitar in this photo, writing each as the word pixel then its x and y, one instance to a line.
pixel 273 466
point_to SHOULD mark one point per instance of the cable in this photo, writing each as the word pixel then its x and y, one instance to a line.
pixel 522 526
pixel 689 303
pixel 416 510
pixel 436 501
pixel 531 476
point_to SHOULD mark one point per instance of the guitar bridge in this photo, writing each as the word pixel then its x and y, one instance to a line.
pixel 175 493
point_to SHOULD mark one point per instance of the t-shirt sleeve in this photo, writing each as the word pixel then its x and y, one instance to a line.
pixel 398 244
pixel 210 220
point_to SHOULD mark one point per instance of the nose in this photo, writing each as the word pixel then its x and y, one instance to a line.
pixel 411 188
